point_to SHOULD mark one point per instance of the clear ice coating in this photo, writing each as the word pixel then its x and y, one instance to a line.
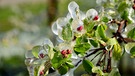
pixel 54 28
pixel 29 54
pixel 91 13
pixel 46 44
pixel 73 9
pixel 128 47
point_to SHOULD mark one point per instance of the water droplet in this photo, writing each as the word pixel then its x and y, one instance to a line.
pixel 73 9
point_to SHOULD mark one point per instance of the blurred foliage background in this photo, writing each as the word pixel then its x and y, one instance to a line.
pixel 25 23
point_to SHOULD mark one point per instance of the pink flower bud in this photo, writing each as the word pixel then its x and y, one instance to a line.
pixel 63 52
pixel 41 55
pixel 41 73
pixel 80 28
pixel 69 51
pixel 95 18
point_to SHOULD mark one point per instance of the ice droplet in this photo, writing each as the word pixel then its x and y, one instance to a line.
pixel 73 9
pixel 91 13
pixel 47 44
pixel 54 28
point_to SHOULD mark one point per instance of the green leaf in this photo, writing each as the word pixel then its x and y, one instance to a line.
pixel 94 43
pixel 69 64
pixel 112 41
pixel 67 33
pixel 88 66
pixel 36 69
pixel 101 31
pixel 124 15
pixel 132 51
pixel 131 33
pixel 98 71
pixel 105 19
pixel 123 5
pixel 90 26
pixel 35 50
pixel 117 51
pixel 82 47
pixel 82 39
pixel 56 59
pixel 63 69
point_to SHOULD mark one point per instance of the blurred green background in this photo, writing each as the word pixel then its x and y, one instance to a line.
pixel 25 23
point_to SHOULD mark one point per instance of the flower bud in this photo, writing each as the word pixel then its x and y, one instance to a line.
pixel 41 73
pixel 133 6
pixel 95 18
pixel 63 52
pixel 69 51
pixel 41 55
pixel 80 28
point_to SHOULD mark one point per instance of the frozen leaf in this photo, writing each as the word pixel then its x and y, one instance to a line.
pixel 88 66
pixel 35 50
pixel 122 5
pixel 54 28
pixel 132 51
pixel 91 13
pixel 128 47
pixel 73 9
pixel 63 69
pixel 97 70
pixel 112 41
pixel 117 51
pixel 131 33
pixel 48 47
pixel 82 48
pixel 101 31
pixel 67 33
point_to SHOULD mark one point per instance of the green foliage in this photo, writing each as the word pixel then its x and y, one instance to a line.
pixel 117 52
pixel 132 51
pixel 35 50
pixel 88 66
pixel 122 5
pixel 101 31
pixel 131 33
pixel 94 43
